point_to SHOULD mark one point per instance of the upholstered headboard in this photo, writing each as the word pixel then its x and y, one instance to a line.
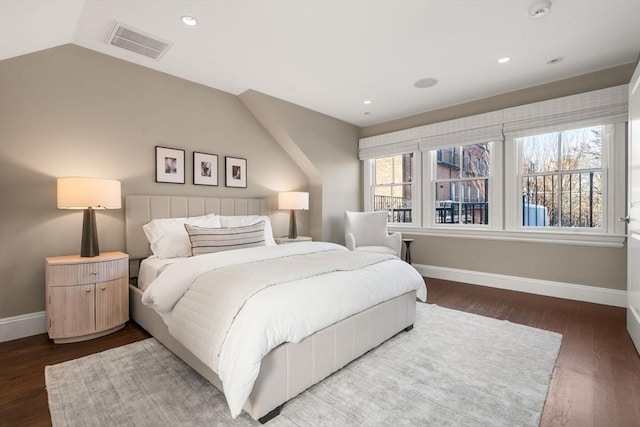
pixel 139 210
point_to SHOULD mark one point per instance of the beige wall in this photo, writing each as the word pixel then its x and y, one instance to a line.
pixel 326 149
pixel 592 266
pixel 69 111
pixel 581 265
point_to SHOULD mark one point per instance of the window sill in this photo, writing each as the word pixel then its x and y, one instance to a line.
pixel 546 237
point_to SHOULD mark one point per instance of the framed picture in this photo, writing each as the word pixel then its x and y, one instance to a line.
pixel 205 169
pixel 235 172
pixel 169 165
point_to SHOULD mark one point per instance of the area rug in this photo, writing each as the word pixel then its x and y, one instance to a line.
pixel 452 369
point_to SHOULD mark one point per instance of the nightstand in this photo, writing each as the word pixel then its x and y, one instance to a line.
pixel 86 297
pixel 283 240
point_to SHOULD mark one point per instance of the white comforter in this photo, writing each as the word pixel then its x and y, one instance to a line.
pixel 287 312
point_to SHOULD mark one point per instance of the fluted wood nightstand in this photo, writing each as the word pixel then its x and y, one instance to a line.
pixel 86 297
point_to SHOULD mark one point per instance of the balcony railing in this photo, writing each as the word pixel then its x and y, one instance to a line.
pixel 399 208
pixel 570 199
pixel 452 212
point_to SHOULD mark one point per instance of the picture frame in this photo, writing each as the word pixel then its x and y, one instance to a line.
pixel 235 172
pixel 169 165
pixel 205 169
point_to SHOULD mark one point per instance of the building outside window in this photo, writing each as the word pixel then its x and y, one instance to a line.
pixel 461 184
pixel 393 186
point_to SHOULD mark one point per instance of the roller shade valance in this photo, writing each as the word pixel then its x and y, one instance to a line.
pixel 604 105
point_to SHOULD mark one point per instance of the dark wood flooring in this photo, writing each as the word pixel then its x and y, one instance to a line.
pixel 596 381
pixel 23 399
pixel 597 377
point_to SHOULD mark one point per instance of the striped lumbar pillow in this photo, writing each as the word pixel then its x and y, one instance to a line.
pixel 207 240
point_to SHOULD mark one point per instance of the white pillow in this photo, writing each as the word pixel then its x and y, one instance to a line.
pixel 168 237
pixel 206 240
pixel 242 220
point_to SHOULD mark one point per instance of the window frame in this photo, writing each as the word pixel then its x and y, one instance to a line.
pixel 370 184
pixel 504 190
pixel 494 194
pixel 607 106
pixel 614 179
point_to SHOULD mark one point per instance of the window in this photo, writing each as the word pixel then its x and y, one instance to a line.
pixel 461 188
pixel 568 181
pixel 393 183
pixel 562 176
pixel 552 171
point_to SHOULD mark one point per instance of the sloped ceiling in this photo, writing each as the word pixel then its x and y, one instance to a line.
pixel 330 56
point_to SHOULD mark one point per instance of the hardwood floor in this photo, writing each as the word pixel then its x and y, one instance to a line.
pixel 23 400
pixel 596 381
pixel 597 377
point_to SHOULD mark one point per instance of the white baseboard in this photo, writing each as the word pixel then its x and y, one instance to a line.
pixel 571 291
pixel 25 325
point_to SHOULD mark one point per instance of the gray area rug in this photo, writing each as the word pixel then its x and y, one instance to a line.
pixel 452 369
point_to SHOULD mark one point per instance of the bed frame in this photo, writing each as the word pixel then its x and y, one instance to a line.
pixel 290 368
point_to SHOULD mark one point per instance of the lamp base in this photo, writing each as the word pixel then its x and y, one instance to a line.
pixel 89 247
pixel 293 230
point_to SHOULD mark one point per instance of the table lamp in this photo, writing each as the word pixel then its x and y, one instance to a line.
pixel 88 194
pixel 293 200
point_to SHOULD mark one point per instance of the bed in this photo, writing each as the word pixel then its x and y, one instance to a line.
pixel 289 367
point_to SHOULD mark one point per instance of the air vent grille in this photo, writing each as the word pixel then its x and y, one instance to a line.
pixel 136 41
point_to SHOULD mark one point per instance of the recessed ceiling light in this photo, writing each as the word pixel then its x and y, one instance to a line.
pixel 555 60
pixel 189 20
pixel 425 83
pixel 504 60
pixel 539 9
pixel 366 102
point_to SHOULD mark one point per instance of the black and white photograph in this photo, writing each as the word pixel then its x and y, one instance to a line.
pixel 235 172
pixel 205 169
pixel 169 165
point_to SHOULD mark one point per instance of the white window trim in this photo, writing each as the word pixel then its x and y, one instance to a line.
pixel 576 239
pixel 617 206
pixel 495 193
pixel 369 181
pixel 614 177
pixel 604 106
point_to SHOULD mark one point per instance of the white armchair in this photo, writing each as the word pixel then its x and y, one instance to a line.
pixel 367 231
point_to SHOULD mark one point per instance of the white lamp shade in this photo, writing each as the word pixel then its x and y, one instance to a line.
pixel 293 200
pixel 83 193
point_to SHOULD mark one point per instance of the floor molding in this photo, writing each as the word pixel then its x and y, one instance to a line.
pixel 570 291
pixel 25 325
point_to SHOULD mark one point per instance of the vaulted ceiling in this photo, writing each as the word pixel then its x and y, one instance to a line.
pixel 333 55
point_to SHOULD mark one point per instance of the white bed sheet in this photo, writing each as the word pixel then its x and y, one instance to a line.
pixel 291 311
pixel 151 267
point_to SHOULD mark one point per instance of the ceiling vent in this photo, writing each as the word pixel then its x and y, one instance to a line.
pixel 136 41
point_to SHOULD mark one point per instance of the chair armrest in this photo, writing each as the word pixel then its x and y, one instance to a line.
pixel 350 241
pixel 394 241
